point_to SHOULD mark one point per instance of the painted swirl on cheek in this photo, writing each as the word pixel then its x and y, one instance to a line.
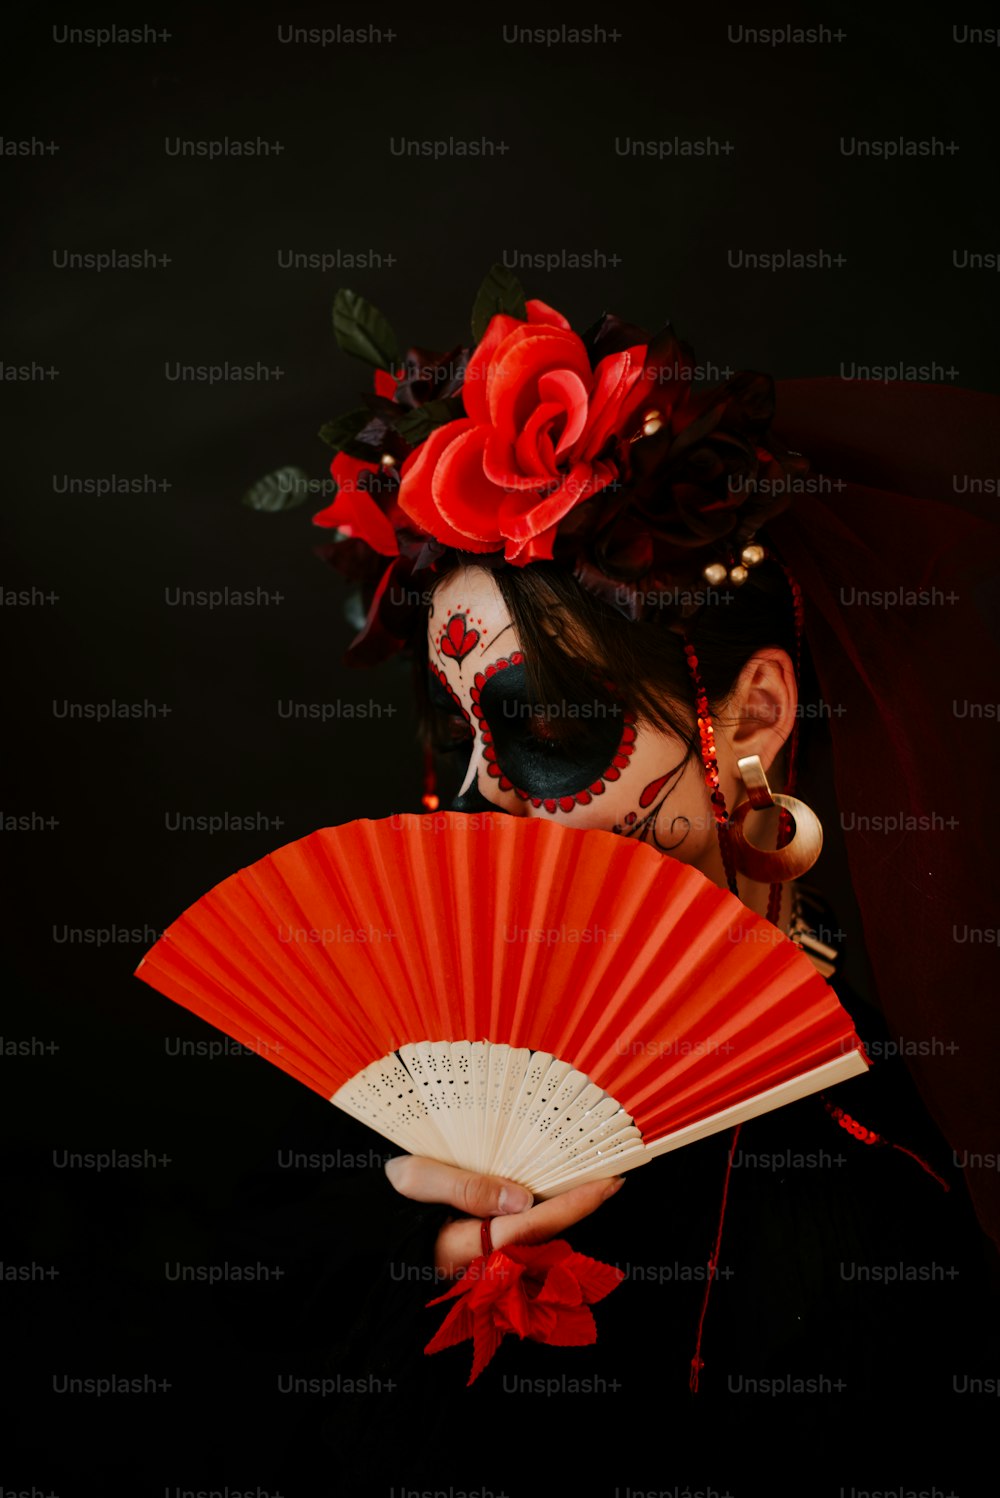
pixel 645 829
pixel 521 757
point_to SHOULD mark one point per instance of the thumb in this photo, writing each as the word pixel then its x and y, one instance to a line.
pixel 424 1180
pixel 552 1217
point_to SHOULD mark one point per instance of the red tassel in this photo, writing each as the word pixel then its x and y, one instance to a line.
pixel 697 1363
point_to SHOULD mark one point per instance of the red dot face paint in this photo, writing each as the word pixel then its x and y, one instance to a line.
pixel 523 751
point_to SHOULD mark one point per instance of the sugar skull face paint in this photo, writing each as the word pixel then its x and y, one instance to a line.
pixel 455 734
pixel 458 639
pixel 523 751
pixel 619 776
pixel 458 633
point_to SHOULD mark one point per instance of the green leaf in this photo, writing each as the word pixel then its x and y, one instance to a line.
pixel 500 292
pixel 284 489
pixel 361 330
pixel 342 430
pixel 417 424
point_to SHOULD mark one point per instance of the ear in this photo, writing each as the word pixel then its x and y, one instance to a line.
pixel 761 709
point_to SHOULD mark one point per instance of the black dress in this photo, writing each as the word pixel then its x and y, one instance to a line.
pixel 847 1342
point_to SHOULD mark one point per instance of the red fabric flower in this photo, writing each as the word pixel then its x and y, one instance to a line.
pixel 353 511
pixel 541 1291
pixel 595 452
pixel 533 443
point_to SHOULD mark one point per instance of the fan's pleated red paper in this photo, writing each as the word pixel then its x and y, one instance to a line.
pixel 333 951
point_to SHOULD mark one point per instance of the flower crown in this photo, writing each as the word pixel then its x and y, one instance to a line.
pixel 594 451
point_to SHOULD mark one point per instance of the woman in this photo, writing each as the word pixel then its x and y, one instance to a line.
pixel 660 798
pixel 640 555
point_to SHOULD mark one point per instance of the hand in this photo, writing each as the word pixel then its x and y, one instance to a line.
pixel 515 1219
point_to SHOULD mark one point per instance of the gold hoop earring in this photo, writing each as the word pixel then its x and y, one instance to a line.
pixel 780 864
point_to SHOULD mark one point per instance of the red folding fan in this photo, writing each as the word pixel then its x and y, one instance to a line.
pixel 512 996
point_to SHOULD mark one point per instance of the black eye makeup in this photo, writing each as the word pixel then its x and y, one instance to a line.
pixel 523 747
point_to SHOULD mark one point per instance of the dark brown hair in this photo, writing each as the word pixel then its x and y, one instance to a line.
pixel 576 645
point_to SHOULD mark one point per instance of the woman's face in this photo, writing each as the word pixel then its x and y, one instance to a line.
pixel 628 778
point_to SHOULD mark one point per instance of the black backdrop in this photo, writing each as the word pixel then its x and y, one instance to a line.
pixel 89 167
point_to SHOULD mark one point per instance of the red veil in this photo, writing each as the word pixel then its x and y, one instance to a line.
pixel 891 543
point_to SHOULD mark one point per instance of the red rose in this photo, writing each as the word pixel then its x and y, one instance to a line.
pixel 532 445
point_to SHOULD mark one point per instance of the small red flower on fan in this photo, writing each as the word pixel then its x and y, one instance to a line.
pixel 541 1291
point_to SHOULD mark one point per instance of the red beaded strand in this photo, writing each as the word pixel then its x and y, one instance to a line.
pixel 706 742
pixel 859 1131
pixel 706 737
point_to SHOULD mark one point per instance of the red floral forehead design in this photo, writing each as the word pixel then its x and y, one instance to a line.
pixel 595 451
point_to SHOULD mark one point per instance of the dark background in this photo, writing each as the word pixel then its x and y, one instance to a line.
pixel 110 864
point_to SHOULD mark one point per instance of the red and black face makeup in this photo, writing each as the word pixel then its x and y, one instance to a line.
pixel 524 748
pixel 459 637
pixel 457 733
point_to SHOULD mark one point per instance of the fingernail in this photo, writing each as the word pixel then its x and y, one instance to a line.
pixel 614 1185
pixel 514 1199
